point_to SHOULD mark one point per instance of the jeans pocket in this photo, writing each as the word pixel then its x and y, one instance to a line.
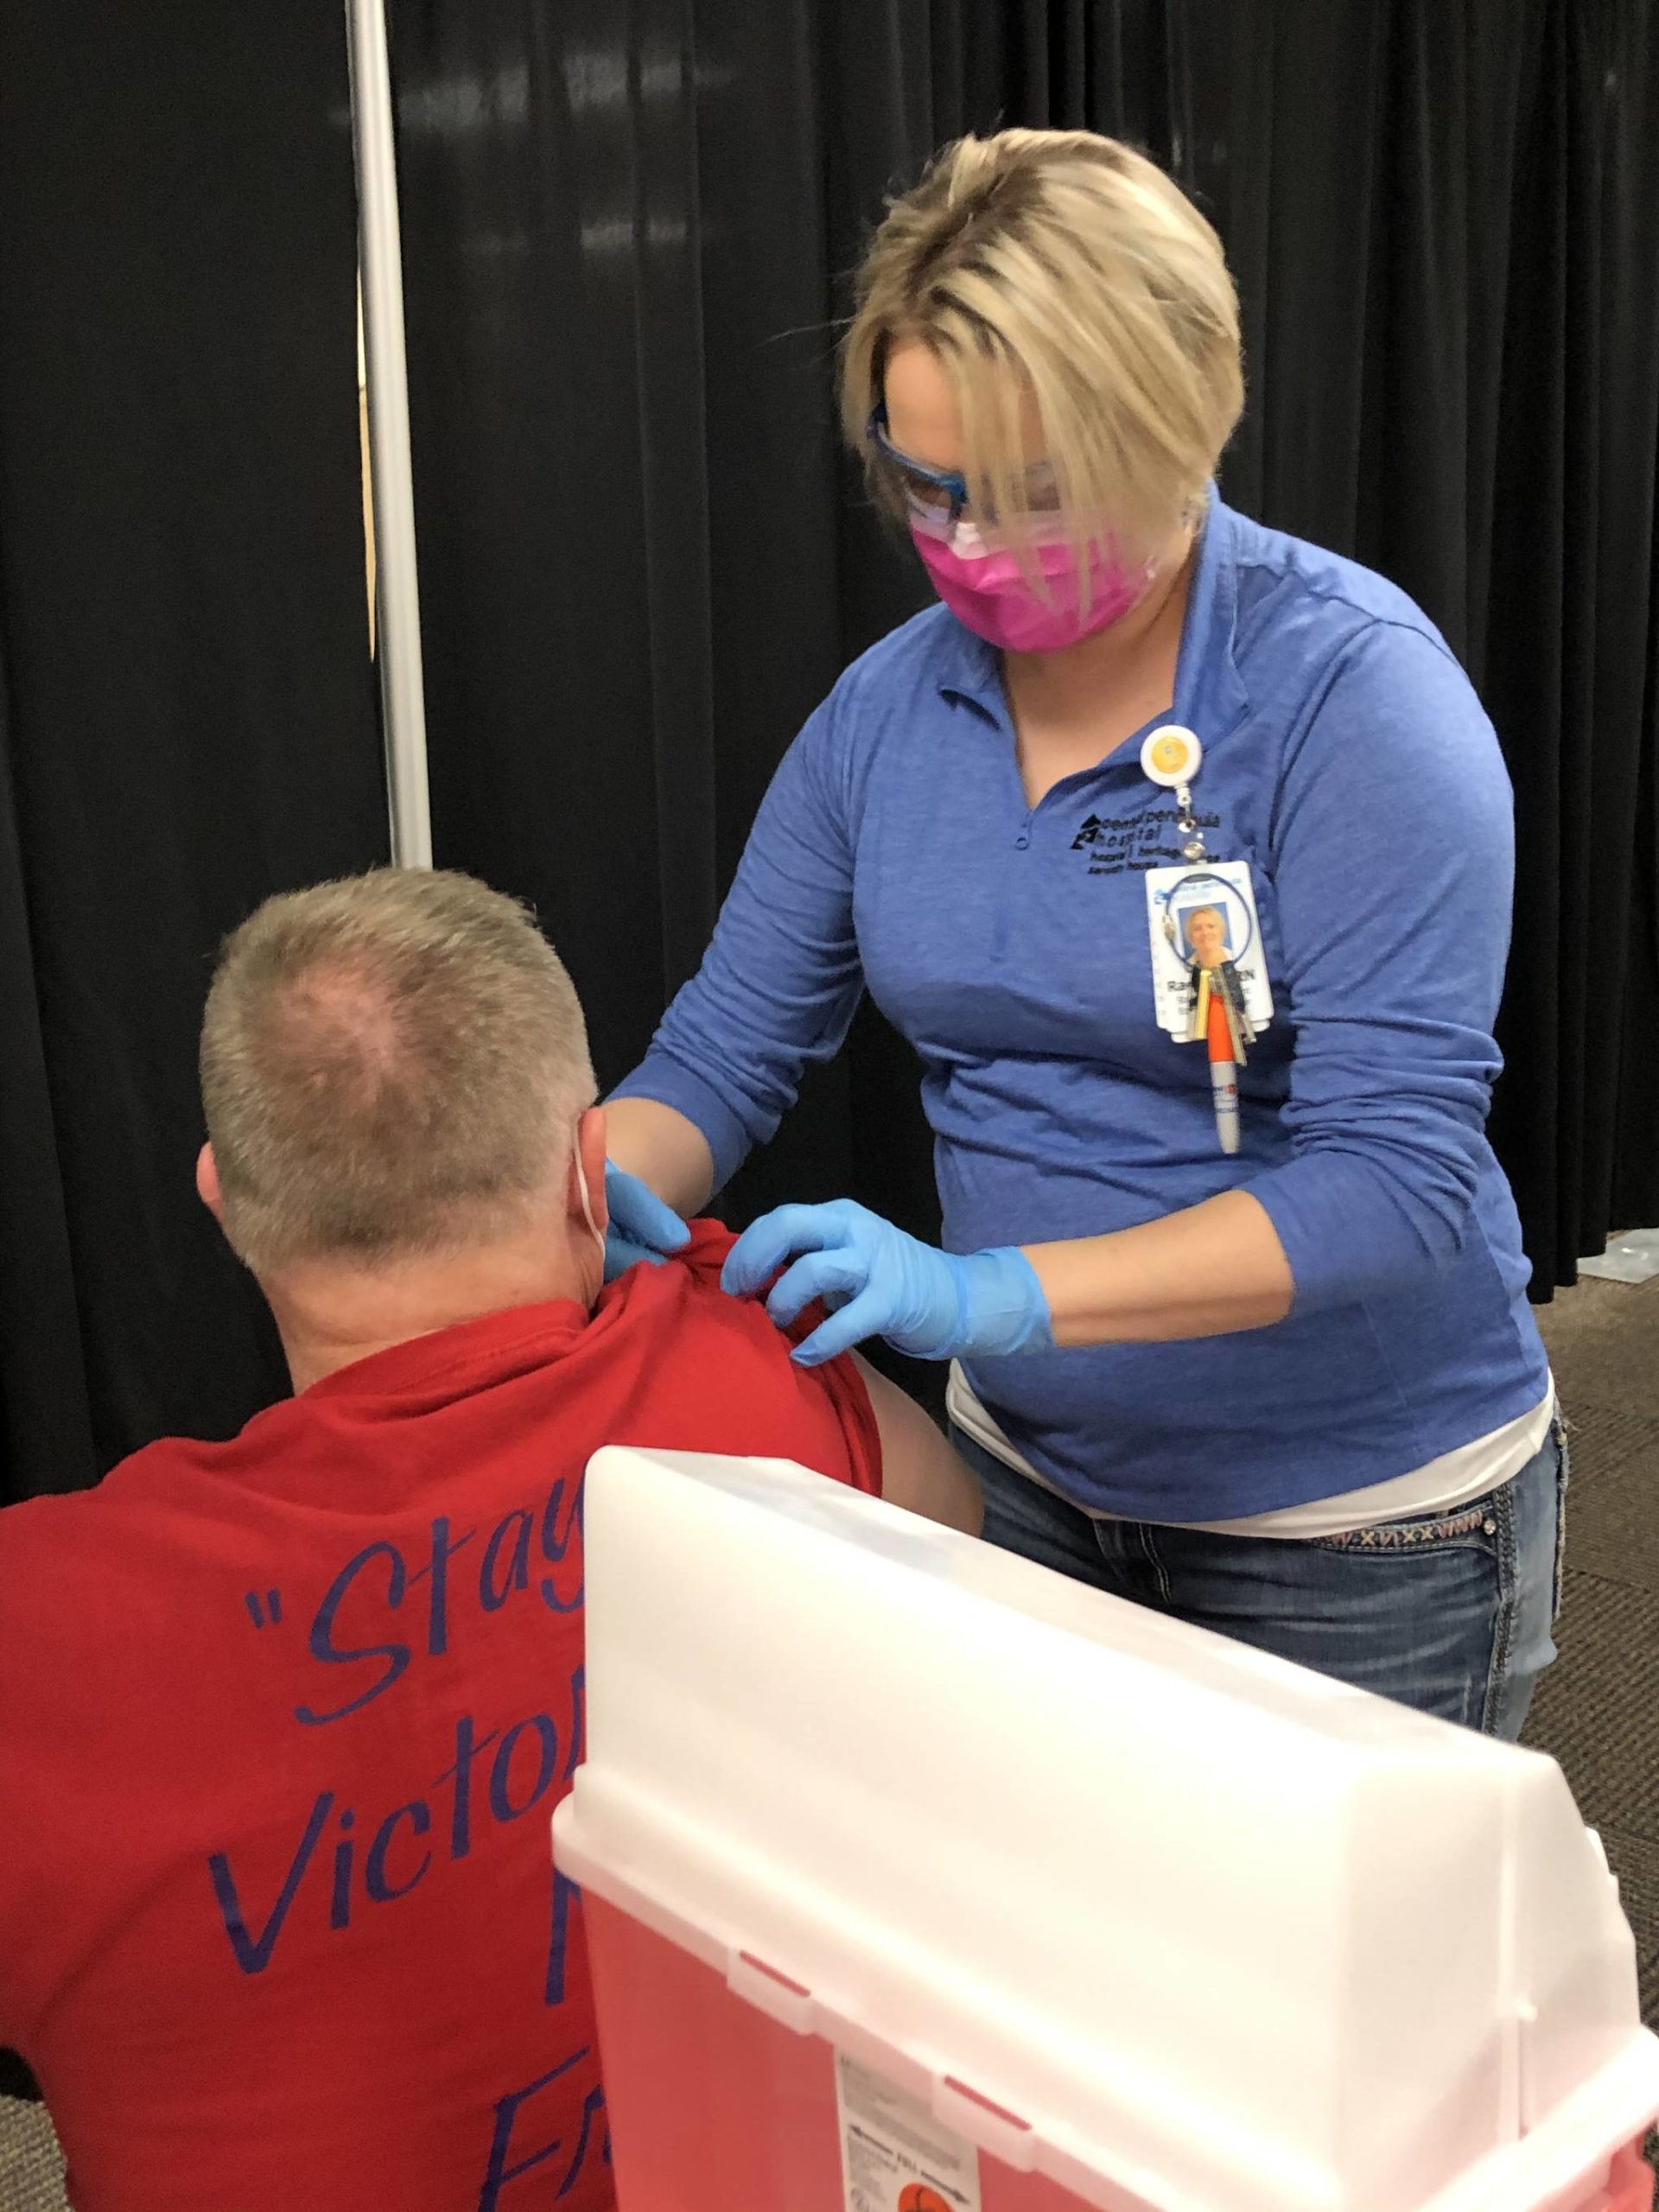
pixel 1420 1532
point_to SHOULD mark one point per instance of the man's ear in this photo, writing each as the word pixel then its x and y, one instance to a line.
pixel 207 1188
pixel 589 1164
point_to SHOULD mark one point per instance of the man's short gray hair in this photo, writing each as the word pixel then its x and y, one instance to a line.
pixel 391 1065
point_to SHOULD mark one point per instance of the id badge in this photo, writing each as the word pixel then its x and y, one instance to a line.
pixel 1204 918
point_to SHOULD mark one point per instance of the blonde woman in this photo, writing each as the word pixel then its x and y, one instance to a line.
pixel 1295 1393
pixel 1206 936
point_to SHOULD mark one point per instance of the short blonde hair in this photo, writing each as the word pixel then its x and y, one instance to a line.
pixel 1063 265
pixel 391 1066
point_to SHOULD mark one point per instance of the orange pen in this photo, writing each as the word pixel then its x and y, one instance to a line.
pixel 1224 1073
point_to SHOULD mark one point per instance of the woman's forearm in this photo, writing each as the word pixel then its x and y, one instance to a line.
pixel 663 1149
pixel 1205 1272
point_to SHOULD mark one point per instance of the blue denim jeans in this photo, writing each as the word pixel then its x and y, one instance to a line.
pixel 1451 1613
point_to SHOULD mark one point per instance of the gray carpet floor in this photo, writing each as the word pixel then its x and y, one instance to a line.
pixel 1597 1711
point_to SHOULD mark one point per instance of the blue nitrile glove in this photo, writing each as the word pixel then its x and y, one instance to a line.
pixel 879 1282
pixel 642 1225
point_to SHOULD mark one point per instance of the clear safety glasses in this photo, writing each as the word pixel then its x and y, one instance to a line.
pixel 937 498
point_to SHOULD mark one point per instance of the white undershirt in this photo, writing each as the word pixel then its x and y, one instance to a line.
pixel 1441 1486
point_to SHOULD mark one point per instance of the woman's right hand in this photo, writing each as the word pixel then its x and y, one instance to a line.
pixel 641 1226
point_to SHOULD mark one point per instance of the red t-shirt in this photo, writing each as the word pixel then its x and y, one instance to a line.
pixel 283 1722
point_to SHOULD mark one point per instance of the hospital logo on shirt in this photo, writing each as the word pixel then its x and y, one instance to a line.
pixel 1147 840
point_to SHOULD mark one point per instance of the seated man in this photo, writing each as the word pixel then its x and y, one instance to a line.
pixel 283 1720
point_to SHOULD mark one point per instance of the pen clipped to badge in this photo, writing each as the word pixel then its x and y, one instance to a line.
pixel 1210 981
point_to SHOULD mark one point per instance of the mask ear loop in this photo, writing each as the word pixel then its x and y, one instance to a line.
pixel 587 1203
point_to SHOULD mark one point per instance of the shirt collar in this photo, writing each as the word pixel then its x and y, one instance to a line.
pixel 446 1363
pixel 1210 694
pixel 969 670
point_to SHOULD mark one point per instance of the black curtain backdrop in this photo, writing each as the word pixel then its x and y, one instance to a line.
pixel 626 228
pixel 186 709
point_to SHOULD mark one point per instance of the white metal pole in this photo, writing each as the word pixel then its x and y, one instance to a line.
pixel 403 692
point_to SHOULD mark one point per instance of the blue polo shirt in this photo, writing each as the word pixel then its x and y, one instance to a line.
pixel 1347 759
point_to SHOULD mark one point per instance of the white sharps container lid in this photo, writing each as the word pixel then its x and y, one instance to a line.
pixel 1217 1932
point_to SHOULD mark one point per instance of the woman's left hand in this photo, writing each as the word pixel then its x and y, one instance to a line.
pixel 879 1282
pixel 641 1226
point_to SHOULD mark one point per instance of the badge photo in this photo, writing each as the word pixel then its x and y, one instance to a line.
pixel 1211 923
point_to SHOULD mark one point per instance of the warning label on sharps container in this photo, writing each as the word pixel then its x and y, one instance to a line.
pixel 895 2156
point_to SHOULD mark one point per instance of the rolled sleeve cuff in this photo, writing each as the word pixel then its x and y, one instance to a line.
pixel 1342 1235
pixel 670 1083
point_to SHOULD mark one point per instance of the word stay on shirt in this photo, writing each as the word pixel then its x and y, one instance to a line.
pixel 378 1578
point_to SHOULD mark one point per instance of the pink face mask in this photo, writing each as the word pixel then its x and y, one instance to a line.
pixel 984 588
